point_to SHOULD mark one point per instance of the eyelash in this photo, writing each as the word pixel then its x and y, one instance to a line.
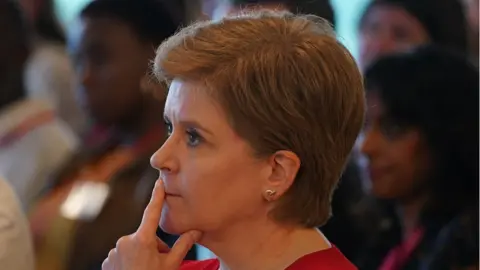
pixel 193 137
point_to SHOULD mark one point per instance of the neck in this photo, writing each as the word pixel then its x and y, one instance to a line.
pixel 409 212
pixel 263 245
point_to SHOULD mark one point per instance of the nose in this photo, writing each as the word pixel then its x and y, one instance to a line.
pixel 163 159
pixel 369 143
pixel 84 75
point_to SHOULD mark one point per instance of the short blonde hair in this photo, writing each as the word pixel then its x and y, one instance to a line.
pixel 286 83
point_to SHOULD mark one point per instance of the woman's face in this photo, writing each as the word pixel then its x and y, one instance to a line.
pixel 388 29
pixel 398 159
pixel 110 62
pixel 212 179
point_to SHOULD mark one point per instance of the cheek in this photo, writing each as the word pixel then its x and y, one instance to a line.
pixel 220 189
pixel 404 176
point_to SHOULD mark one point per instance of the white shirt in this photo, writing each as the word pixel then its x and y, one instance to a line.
pixel 49 76
pixel 16 249
pixel 29 160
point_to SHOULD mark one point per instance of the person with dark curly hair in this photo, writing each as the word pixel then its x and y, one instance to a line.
pixel 112 55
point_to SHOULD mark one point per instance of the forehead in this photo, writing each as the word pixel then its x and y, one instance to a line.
pixel 108 31
pixel 190 99
pixel 375 106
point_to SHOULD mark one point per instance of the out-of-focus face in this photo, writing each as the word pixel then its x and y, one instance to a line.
pixel 398 159
pixel 388 29
pixel 110 62
pixel 212 179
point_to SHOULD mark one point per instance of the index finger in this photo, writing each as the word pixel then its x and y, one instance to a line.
pixel 153 211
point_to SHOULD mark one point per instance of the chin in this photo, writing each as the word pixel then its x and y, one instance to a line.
pixel 171 225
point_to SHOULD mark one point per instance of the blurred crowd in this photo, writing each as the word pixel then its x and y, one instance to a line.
pixel 81 115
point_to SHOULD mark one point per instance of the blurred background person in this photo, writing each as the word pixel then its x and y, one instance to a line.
pixel 33 142
pixel 49 72
pixel 16 250
pixel 112 55
pixel 389 26
pixel 421 139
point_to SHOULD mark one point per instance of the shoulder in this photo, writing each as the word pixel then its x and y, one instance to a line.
pixel 47 69
pixel 212 264
pixel 16 250
pixel 329 259
pixel 48 55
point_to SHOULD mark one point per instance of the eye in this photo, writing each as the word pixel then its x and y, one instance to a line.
pixel 169 127
pixel 193 138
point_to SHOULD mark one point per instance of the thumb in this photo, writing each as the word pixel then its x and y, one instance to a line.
pixel 181 247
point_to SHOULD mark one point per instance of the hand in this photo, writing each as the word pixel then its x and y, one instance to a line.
pixel 143 250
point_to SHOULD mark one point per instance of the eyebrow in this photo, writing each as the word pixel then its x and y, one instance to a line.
pixel 191 123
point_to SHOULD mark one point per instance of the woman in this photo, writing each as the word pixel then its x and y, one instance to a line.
pixel 389 26
pixel 49 73
pixel 263 110
pixel 340 228
pixel 111 174
pixel 421 139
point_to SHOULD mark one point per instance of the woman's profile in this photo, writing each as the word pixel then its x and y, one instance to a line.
pixel 263 110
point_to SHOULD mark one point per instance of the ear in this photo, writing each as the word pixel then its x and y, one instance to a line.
pixel 285 166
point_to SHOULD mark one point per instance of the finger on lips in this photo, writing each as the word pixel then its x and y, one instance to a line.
pixel 153 211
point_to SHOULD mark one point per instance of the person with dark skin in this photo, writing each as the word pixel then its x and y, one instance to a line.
pixel 112 55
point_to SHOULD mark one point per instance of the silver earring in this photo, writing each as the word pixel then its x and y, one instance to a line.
pixel 269 193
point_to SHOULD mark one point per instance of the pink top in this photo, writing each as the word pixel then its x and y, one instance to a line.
pixel 329 259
